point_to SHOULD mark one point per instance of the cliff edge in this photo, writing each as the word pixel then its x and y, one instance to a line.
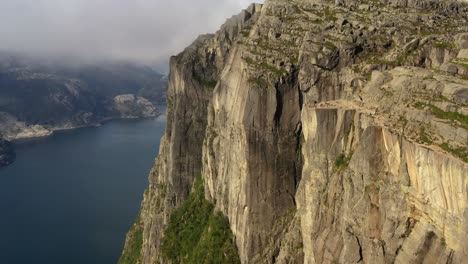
pixel 325 131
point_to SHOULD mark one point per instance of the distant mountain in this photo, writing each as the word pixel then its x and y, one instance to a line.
pixel 37 98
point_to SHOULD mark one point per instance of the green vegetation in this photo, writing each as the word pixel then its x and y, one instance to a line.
pixel 356 69
pixel 273 69
pixel 425 33
pixel 443 98
pixel 260 82
pixel 208 83
pixel 423 137
pixel 329 15
pixel 162 187
pixel 266 66
pixel 196 234
pixel 342 161
pixel 329 45
pixel 463 63
pixel 204 82
pixel 216 244
pixel 439 113
pixel 445 45
pixel 368 76
pixel 132 250
pixel 250 61
pixel 459 152
pixel 400 60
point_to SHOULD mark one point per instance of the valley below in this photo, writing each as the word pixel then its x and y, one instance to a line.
pixel 72 196
pixel 302 131
pixel 38 99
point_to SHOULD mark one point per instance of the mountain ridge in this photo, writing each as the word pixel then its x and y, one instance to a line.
pixel 37 99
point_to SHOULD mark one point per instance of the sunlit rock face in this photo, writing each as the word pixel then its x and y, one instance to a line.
pixel 326 131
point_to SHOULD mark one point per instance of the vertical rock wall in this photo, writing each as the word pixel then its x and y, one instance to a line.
pixel 324 135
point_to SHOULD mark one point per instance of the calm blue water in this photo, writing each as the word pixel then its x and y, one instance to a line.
pixel 71 198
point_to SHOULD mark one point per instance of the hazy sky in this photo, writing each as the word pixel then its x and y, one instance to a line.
pixel 138 30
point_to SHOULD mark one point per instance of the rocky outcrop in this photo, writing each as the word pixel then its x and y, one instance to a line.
pixel 391 201
pixel 131 106
pixel 13 129
pixel 326 132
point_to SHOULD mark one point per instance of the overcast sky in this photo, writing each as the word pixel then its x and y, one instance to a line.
pixel 137 30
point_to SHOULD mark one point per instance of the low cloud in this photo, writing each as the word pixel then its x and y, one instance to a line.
pixel 145 31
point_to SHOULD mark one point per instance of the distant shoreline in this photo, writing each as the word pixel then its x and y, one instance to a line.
pixel 97 124
pixel 32 139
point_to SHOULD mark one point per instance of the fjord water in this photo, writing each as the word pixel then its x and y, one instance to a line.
pixel 72 197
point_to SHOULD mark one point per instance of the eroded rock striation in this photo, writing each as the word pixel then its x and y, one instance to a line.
pixel 325 131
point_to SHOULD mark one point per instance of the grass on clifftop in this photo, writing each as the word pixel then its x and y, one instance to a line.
pixel 459 152
pixel 196 234
pixel 439 113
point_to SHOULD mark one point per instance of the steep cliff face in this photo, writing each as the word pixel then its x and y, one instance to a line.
pixel 326 132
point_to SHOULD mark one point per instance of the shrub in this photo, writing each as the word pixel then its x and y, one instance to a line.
pixel 342 161
pixel 132 250
pixel 196 234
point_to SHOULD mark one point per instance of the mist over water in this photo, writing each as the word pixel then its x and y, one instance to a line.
pixel 89 31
